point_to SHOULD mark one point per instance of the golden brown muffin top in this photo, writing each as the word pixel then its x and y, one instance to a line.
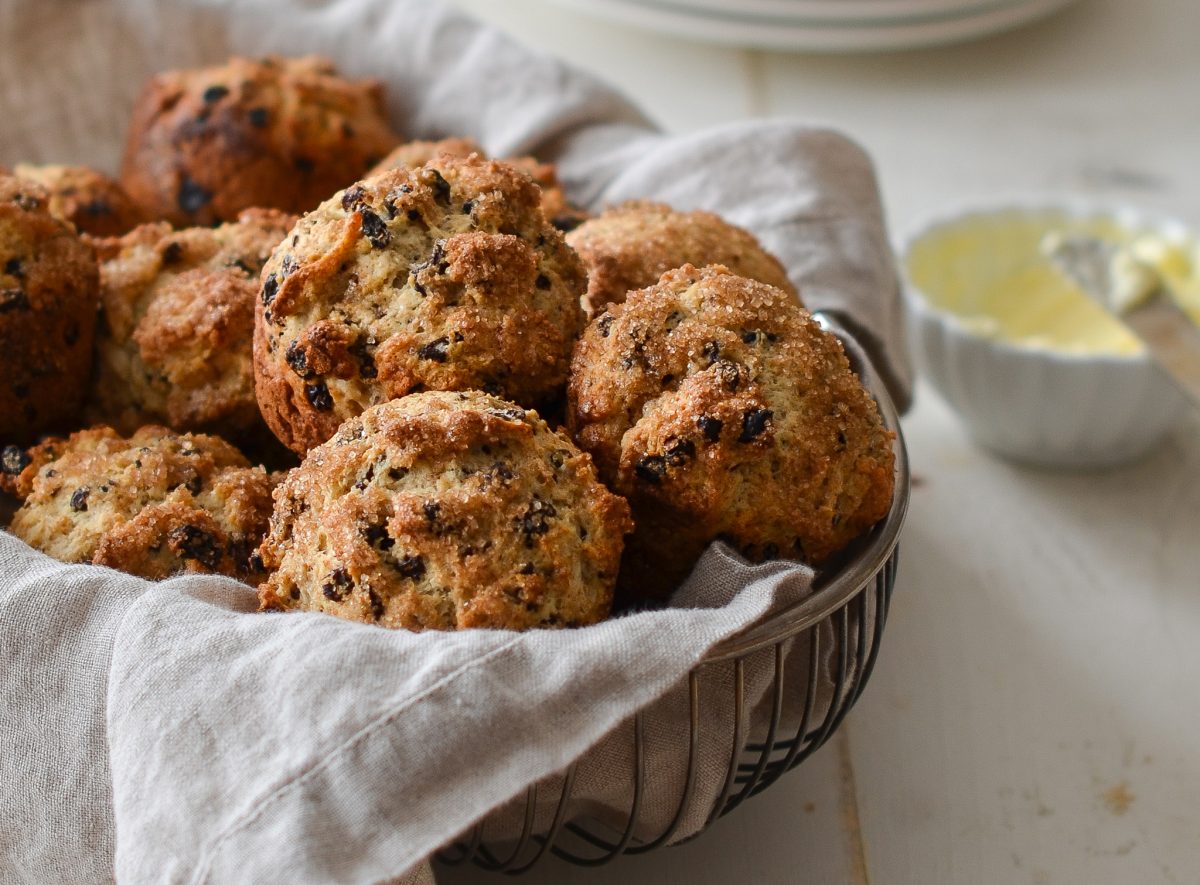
pixel 414 154
pixel 447 277
pixel 152 505
pixel 48 294
pixel 278 132
pixel 446 510
pixel 90 200
pixel 174 344
pixel 555 206
pixel 720 408
pixel 39 252
pixel 631 245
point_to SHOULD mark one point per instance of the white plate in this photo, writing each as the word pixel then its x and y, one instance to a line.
pixel 817 36
pixel 850 12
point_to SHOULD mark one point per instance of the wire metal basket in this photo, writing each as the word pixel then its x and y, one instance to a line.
pixel 757 706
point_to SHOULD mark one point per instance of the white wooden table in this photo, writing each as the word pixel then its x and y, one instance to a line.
pixel 1035 713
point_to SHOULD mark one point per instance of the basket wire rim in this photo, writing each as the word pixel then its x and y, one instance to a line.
pixel 868 572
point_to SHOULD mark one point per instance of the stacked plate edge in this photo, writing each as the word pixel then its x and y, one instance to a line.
pixel 824 25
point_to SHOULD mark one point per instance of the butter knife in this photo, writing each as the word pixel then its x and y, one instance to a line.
pixel 1143 303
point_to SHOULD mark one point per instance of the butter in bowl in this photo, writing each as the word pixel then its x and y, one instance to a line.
pixel 1038 371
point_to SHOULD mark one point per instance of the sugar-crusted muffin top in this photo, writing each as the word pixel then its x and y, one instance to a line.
pixel 90 200
pixel 721 409
pixel 48 294
pixel 446 277
pixel 152 505
pixel 555 206
pixel 414 154
pixel 631 245
pixel 174 345
pixel 446 510
pixel 283 133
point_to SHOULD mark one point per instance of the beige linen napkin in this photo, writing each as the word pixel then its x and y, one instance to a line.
pixel 166 732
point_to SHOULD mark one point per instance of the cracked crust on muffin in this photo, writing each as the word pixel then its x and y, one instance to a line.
pixel 153 505
pixel 631 245
pixel 94 203
pixel 282 133
pixel 722 411
pixel 174 345
pixel 446 277
pixel 446 511
pixel 558 210
pixel 48 297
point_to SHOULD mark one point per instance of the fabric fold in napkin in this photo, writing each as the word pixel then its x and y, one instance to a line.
pixel 167 732
pixel 276 748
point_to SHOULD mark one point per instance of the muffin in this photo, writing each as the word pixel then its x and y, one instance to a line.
pixel 174 345
pixel 446 277
pixel 721 410
pixel 446 511
pixel 555 206
pixel 631 245
pixel 415 154
pixel 152 505
pixel 281 133
pixel 48 296
pixel 90 200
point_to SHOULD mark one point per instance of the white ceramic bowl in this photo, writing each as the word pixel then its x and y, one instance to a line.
pixel 1031 403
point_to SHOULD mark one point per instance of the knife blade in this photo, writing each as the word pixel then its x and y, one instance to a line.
pixel 1136 296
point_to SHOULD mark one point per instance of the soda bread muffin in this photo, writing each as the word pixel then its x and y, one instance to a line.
pixel 630 246
pixel 446 511
pixel 174 343
pixel 447 277
pixel 48 294
pixel 90 200
pixel 721 410
pixel 283 133
pixel 415 154
pixel 151 505
pixel 555 206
